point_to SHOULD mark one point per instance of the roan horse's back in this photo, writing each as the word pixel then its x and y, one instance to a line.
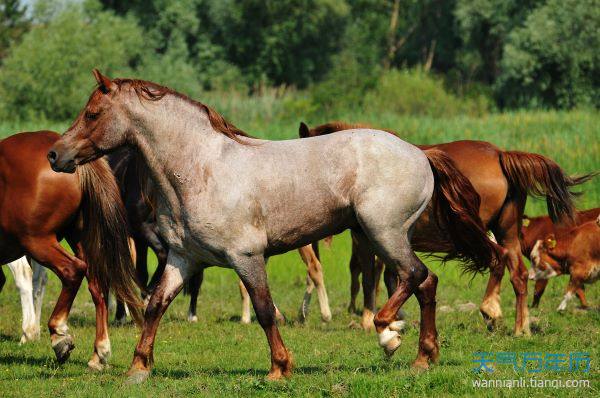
pixel 347 177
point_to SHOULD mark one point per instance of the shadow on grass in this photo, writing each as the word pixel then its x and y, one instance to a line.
pixel 9 337
pixel 300 370
pixel 11 359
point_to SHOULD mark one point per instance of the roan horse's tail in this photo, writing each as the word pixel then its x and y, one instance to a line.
pixel 105 239
pixel 455 204
pixel 537 175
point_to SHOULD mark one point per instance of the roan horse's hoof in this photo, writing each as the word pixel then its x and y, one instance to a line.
pixel 389 340
pixel 62 348
pixel 137 376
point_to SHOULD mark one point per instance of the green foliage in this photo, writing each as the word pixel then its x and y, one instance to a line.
pixel 13 24
pixel 415 92
pixel 48 74
pixel 553 60
pixel 345 86
pixel 287 41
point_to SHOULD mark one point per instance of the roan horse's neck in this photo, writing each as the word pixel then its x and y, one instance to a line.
pixel 173 136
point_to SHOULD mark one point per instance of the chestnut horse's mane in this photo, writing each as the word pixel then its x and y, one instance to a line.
pixel 154 92
pixel 332 127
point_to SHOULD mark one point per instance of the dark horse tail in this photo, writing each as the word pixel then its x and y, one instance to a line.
pixel 105 238
pixel 537 175
pixel 455 204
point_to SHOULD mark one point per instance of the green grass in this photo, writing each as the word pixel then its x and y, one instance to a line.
pixel 218 356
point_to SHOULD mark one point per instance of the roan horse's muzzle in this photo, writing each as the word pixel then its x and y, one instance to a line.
pixel 61 160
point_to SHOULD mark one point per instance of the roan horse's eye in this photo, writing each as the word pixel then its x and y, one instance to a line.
pixel 91 115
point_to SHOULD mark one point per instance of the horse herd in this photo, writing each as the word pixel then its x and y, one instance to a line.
pixel 199 192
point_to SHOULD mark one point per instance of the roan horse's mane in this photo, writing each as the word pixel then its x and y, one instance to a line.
pixel 155 92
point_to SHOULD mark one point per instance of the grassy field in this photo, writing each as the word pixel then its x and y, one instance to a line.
pixel 218 356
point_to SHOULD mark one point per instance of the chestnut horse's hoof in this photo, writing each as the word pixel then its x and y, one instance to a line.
pixel 62 348
pixel 137 376
pixel 97 366
pixel 420 365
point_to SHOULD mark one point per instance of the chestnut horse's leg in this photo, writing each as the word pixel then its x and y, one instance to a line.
pixel 102 350
pixel 540 286
pixel 314 279
pixel 251 271
pixel 246 316
pixel 355 270
pixel 24 280
pixel 490 306
pixel 70 270
pixel 366 258
pixel 177 271
pixel 507 234
pixel 194 289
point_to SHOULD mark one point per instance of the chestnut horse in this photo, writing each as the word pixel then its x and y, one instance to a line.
pixel 232 201
pixel 503 179
pixel 40 207
pixel 538 228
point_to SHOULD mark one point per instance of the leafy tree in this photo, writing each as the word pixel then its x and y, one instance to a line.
pixel 13 23
pixel 553 60
pixel 287 41
pixel 484 26
pixel 54 83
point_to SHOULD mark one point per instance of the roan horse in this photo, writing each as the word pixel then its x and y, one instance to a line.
pixel 503 179
pixel 143 228
pixel 40 207
pixel 226 200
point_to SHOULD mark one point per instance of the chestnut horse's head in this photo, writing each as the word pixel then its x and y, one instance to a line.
pixel 100 127
pixel 543 265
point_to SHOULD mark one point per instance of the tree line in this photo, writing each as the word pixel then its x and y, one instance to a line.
pixel 517 53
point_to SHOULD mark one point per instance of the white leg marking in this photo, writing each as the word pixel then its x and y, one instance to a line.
pixel 245 319
pixel 563 304
pixel 24 280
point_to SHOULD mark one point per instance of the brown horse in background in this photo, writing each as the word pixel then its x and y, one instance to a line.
pixel 40 207
pixel 538 228
pixel 503 179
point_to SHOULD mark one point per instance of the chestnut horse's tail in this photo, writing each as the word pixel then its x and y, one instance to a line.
pixel 105 238
pixel 537 175
pixel 456 207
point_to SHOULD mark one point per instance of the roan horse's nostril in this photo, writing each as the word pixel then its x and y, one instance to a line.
pixel 52 155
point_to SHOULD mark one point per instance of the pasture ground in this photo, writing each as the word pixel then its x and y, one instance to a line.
pixel 218 356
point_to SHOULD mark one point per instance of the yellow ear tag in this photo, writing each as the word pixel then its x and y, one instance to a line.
pixel 526 222
pixel 552 243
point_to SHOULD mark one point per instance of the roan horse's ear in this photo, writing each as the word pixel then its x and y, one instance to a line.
pixel 303 130
pixel 104 83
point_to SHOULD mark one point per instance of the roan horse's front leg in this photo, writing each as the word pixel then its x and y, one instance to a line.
pixel 251 271
pixel 177 271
